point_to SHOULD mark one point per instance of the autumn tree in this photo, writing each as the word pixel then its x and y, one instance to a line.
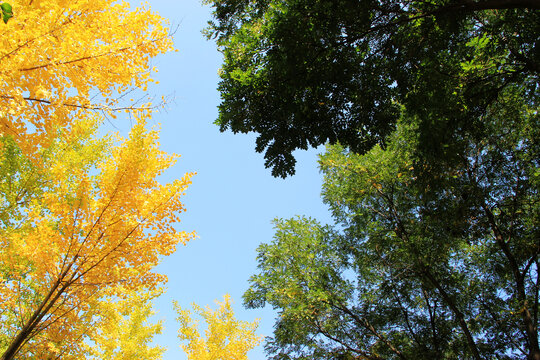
pixel 99 224
pixel 225 337
pixel 301 73
pixel 62 60
pixel 83 219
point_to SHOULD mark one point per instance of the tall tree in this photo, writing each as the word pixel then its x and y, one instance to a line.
pixel 301 73
pixel 425 261
pixel 83 219
pixel 97 228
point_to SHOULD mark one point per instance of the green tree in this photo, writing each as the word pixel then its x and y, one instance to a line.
pixel 425 261
pixel 301 73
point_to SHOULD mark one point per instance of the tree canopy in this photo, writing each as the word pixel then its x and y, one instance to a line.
pixel 301 73
pixel 83 217
pixel 431 108
pixel 68 60
pixel 226 338
pixel 424 261
pixel 87 223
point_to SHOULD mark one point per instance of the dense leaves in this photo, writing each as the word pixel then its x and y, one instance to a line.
pixel 95 228
pixel 301 73
pixel 66 60
pixel 83 218
pixel 225 337
pixel 125 332
pixel 425 261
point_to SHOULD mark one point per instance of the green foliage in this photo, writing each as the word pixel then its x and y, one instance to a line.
pixel 427 260
pixel 432 177
pixel 17 178
pixel 7 12
pixel 301 73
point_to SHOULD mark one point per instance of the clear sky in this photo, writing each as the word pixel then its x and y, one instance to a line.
pixel 233 198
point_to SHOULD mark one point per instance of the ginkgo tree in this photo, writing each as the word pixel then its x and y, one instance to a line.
pixel 63 59
pixel 98 226
pixel 83 219
pixel 226 338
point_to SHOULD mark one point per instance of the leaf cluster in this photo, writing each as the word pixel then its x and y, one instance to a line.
pixel 302 73
pixel 225 337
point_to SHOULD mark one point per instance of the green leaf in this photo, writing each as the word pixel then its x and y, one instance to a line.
pixel 6 7
pixel 7 12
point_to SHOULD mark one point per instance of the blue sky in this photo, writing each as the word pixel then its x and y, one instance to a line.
pixel 233 198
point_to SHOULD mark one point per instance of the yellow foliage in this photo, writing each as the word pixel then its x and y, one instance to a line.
pixel 83 220
pixel 57 55
pixel 97 229
pixel 124 331
pixel 225 337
